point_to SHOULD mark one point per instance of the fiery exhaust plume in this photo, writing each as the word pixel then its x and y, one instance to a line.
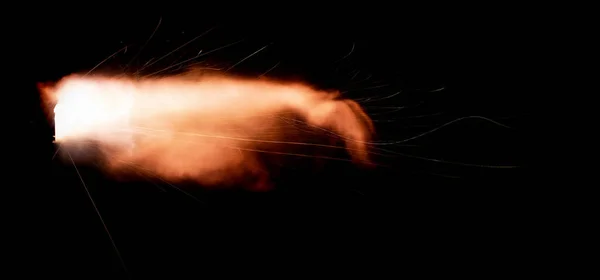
pixel 214 130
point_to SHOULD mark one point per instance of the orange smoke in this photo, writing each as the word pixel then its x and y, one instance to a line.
pixel 215 130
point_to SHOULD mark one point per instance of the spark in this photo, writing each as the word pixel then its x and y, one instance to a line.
pixel 247 57
pixel 270 69
pixel 178 48
pixel 106 59
pixel 146 43
pixel 442 126
pixel 200 54
pixel 112 241
pixel 347 55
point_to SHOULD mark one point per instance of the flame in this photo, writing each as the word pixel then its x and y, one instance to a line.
pixel 211 129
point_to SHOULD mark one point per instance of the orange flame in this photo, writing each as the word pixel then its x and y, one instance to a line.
pixel 211 129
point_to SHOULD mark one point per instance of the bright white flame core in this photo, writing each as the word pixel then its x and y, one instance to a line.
pixel 88 110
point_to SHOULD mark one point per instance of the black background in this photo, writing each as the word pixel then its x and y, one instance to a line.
pixel 406 215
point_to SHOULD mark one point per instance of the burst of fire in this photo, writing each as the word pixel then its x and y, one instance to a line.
pixel 211 129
